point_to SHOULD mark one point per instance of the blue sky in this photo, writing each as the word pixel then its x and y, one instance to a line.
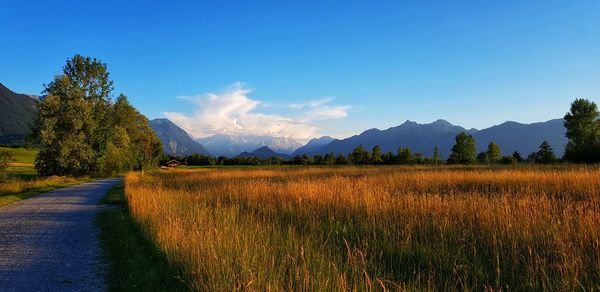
pixel 306 68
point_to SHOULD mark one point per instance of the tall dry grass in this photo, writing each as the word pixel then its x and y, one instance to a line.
pixel 24 183
pixel 368 228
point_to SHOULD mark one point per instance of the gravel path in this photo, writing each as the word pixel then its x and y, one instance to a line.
pixel 49 242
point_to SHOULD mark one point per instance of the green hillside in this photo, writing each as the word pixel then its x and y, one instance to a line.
pixel 21 155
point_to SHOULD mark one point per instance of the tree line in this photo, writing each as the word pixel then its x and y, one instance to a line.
pixel 82 131
pixel 463 152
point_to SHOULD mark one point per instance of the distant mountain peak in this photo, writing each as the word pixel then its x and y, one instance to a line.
pixel 371 131
pixel 264 148
pixel 175 140
pixel 263 152
pixel 442 122
pixel 508 124
pixel 322 138
pixel 313 145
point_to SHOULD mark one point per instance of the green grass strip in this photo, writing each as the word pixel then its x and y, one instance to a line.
pixel 135 262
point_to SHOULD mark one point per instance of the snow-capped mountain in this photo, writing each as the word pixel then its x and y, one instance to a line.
pixel 230 145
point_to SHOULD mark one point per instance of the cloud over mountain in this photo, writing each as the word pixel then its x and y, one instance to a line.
pixel 234 112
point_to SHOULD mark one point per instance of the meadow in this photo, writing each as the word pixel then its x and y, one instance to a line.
pixel 374 228
pixel 21 156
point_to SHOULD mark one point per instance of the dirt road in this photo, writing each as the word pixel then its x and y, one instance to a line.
pixel 49 242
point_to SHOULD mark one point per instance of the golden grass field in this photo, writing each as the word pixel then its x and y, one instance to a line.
pixel 368 228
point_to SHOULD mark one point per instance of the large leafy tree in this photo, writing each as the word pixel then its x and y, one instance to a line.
pixel 464 150
pixel 69 124
pixel 80 129
pixel 583 132
pixel 145 147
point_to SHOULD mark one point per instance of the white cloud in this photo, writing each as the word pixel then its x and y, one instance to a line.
pixel 310 104
pixel 234 112
pixel 326 113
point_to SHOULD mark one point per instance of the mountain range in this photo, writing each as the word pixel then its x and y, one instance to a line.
pixel 18 113
pixel 230 145
pixel 175 140
pixel 421 138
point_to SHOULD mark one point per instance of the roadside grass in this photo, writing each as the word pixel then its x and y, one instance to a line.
pixel 23 182
pixel 135 262
pixel 21 155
